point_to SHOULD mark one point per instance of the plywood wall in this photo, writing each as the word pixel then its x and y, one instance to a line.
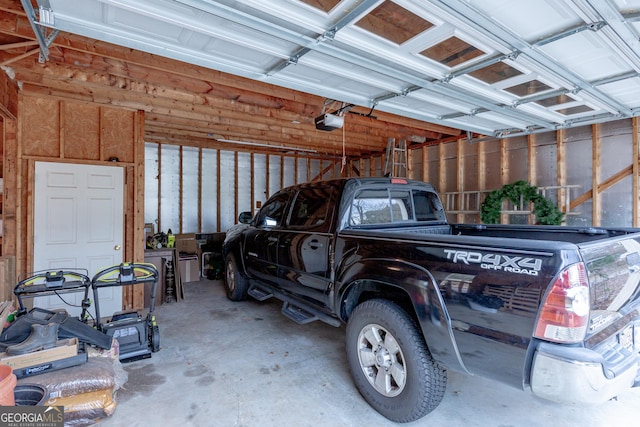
pixel 59 130
pixel 76 131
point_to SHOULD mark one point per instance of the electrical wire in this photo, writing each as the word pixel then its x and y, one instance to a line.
pixel 73 305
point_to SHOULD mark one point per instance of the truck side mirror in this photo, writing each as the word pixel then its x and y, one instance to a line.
pixel 245 217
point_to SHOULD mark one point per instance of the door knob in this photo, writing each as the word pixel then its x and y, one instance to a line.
pixel 116 247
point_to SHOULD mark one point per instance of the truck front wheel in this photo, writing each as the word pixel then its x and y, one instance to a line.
pixel 235 283
pixel 390 363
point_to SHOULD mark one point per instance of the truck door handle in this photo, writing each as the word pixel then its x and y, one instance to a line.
pixel 315 244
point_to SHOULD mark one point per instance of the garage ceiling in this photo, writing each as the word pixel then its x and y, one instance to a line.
pixel 488 67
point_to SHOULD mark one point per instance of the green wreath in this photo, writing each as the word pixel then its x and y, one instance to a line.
pixel 546 212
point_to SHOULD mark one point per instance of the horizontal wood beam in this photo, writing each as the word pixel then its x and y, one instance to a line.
pixel 218 118
pixel 9 46
pixel 229 98
pixel 331 143
pixel 220 145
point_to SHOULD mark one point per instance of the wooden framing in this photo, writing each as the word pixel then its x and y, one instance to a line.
pixel 561 166
pixel 218 208
pixel 94 101
pixel 159 188
pixel 253 182
pixel 200 189
pixel 236 186
pixel 635 191
pixel 504 172
pixel 460 177
pixel 48 130
pixel 181 186
pixel 287 166
pixel 504 162
pixel 442 178
pixel 281 171
pixel 8 200
pixel 10 180
pixel 185 104
pixel 531 160
pixel 425 167
pixel 482 166
pixel 598 185
pixel 267 193
pixel 8 97
pixel 595 173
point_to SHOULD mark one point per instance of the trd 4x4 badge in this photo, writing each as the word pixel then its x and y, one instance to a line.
pixel 507 263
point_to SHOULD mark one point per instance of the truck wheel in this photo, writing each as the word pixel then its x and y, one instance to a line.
pixel 390 363
pixel 235 284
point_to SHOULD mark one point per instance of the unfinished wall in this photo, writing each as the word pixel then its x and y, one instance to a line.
pixel 58 130
pixel 203 190
pixel 593 169
pixel 8 201
pixel 191 189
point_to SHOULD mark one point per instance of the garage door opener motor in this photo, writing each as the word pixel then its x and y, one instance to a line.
pixel 138 336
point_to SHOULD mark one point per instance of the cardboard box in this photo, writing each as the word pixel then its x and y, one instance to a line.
pixel 189 269
pixel 149 230
pixel 63 349
pixel 186 243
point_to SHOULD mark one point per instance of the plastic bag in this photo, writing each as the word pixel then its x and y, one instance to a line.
pixel 85 408
pixel 97 374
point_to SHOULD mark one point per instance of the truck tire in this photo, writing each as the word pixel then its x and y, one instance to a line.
pixel 390 363
pixel 235 283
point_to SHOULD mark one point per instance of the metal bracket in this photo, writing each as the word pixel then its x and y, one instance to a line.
pixel 328 35
pixel 39 23
pixel 447 78
pixel 293 60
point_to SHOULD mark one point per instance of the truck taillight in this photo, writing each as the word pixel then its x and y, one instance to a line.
pixel 565 312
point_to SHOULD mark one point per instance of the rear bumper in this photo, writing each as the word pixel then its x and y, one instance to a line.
pixel 579 375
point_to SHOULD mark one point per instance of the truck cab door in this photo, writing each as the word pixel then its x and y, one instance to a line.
pixel 305 245
pixel 261 239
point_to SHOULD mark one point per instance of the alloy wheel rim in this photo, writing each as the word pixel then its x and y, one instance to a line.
pixel 231 277
pixel 381 360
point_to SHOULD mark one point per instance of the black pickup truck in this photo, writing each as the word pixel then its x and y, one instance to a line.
pixel 555 310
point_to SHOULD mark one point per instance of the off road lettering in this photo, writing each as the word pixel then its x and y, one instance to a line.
pixel 498 262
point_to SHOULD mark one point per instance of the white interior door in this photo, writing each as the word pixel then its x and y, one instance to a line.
pixel 78 223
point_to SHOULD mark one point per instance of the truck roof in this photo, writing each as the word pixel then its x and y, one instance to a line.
pixel 364 181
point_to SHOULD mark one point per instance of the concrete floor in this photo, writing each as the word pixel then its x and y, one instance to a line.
pixel 244 364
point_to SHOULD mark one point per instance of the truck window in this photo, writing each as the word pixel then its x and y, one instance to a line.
pixel 272 213
pixel 381 207
pixel 311 207
pixel 401 206
pixel 428 207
